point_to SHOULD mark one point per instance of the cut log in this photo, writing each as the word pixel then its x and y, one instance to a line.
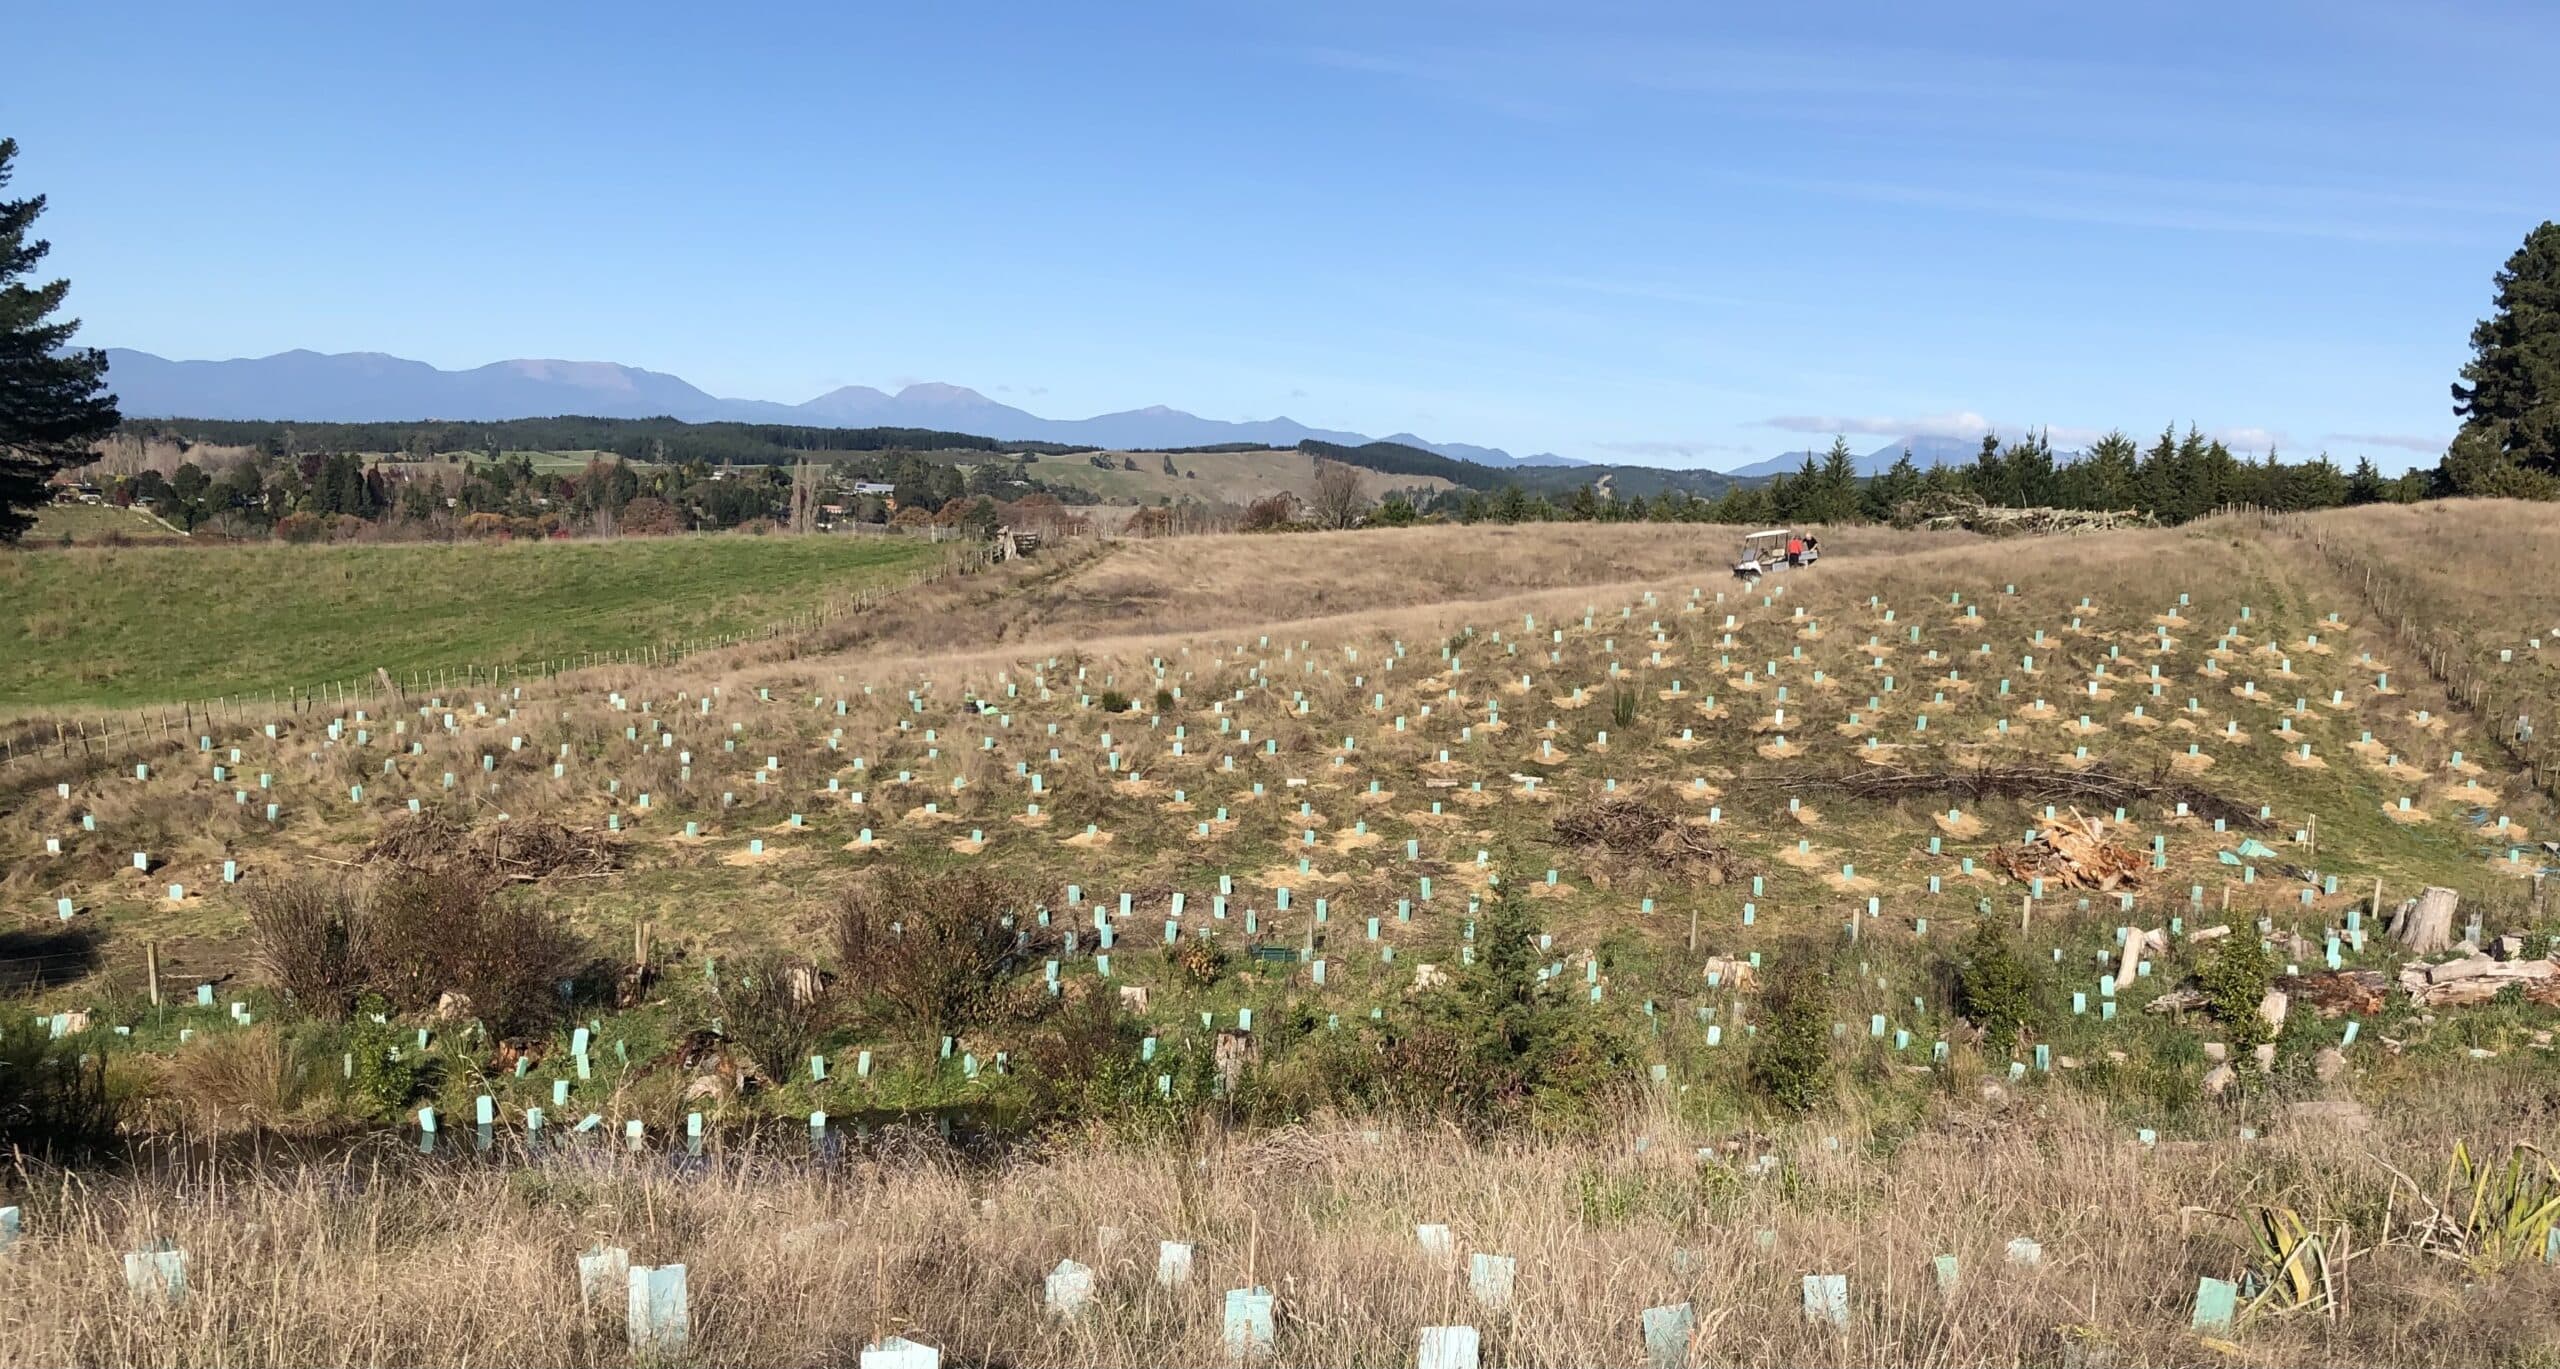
pixel 2177 1001
pixel 2129 965
pixel 2469 967
pixel 2427 926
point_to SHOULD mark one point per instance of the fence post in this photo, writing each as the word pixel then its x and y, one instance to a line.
pixel 151 969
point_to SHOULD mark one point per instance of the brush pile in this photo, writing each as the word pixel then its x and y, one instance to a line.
pixel 1628 825
pixel 513 849
pixel 2073 853
pixel 1946 510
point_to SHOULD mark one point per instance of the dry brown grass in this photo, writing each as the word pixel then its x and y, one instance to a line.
pixel 376 1258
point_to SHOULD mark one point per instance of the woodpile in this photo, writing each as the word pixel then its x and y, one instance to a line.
pixel 2335 993
pixel 1946 510
pixel 2478 978
pixel 2074 853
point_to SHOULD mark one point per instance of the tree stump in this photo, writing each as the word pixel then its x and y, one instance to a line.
pixel 2426 926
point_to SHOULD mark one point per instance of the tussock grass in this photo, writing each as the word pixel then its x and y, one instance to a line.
pixel 375 1257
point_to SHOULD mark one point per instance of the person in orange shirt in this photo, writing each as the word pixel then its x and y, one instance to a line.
pixel 1795 551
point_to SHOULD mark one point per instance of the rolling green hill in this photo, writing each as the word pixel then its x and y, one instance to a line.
pixel 109 626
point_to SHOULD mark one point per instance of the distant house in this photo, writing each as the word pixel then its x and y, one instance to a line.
pixel 874 487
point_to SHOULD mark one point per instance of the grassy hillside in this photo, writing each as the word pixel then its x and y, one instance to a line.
pixel 57 524
pixel 1213 477
pixel 1541 881
pixel 99 626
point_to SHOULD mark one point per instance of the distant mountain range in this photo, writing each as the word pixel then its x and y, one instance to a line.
pixel 1926 452
pixel 370 387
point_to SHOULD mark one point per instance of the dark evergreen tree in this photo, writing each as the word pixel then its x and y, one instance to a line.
pixel 2365 486
pixel 2105 477
pixel 53 397
pixel 2509 394
pixel 1888 492
pixel 1834 495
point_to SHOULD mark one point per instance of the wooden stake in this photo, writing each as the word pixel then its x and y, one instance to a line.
pixel 151 969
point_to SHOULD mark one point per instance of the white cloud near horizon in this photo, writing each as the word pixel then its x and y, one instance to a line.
pixel 1691 449
pixel 1958 425
pixel 1967 426
pixel 2409 442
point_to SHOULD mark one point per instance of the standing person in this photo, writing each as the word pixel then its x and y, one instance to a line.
pixel 1795 550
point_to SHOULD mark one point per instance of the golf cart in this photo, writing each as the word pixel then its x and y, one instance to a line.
pixel 1763 552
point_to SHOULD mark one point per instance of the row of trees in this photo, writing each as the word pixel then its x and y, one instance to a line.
pixel 337 495
pixel 54 412
pixel 2175 479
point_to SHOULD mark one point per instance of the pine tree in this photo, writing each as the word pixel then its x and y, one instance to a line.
pixel 2106 475
pixel 2365 486
pixel 2509 395
pixel 1889 491
pixel 1835 497
pixel 53 399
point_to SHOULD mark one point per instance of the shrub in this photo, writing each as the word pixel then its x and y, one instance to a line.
pixel 775 1009
pixel 649 516
pixel 935 948
pixel 1494 1046
pixel 385 1076
pixel 1202 960
pixel 433 931
pixel 302 527
pixel 2235 978
pixel 53 1102
pixel 1791 1053
pixel 307 933
pixel 1993 989
pixel 1082 1064
pixel 1622 708
pixel 1271 513
pixel 1113 701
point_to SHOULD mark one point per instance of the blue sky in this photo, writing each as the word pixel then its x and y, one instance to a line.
pixel 1616 231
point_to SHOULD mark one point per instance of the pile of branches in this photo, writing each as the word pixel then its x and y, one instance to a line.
pixel 519 850
pixel 2025 781
pixel 2074 853
pixel 1629 825
pixel 416 840
pixel 1943 510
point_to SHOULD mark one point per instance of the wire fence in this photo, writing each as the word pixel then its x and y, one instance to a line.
pixel 2418 624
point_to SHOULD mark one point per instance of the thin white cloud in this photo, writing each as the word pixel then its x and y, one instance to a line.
pixel 2408 442
pixel 1961 425
pixel 2251 441
pixel 1675 448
